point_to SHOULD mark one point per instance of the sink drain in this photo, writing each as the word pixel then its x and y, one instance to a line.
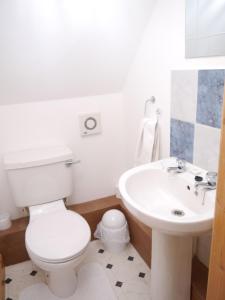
pixel 178 212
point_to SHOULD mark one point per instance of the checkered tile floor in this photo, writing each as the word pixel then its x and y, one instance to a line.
pixel 127 273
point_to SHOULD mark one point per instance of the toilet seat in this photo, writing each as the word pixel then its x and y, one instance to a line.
pixel 58 237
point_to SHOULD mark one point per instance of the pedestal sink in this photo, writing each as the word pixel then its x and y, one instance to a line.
pixel 166 202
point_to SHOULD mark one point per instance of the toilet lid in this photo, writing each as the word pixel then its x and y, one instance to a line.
pixel 58 237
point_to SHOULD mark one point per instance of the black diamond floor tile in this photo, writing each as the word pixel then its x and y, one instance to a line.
pixel 131 258
pixel 101 251
pixel 119 284
pixel 8 280
pixel 33 273
pixel 142 275
pixel 109 266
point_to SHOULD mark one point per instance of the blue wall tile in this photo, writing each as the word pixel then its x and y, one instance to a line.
pixel 210 97
pixel 182 140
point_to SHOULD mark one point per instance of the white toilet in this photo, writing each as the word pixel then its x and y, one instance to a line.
pixel 56 238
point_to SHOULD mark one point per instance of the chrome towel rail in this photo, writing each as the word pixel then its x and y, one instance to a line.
pixel 148 102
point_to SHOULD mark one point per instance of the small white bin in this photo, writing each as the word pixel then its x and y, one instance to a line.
pixel 113 231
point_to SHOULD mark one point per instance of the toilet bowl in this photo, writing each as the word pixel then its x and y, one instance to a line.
pixel 56 241
pixel 56 238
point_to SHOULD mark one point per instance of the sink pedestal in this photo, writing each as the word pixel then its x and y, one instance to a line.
pixel 166 202
pixel 171 266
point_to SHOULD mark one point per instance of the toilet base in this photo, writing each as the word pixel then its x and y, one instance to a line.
pixel 92 284
pixel 62 284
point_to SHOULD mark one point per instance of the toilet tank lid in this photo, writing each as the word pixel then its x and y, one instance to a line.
pixel 36 157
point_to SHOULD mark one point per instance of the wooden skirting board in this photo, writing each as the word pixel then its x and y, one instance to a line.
pixel 13 250
pixel 2 277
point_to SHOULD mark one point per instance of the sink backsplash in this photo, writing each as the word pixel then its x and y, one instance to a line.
pixel 196 109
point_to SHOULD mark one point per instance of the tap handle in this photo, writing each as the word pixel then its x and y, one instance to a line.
pixel 211 178
pixel 198 178
pixel 181 163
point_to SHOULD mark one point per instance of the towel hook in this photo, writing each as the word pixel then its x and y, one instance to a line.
pixel 150 101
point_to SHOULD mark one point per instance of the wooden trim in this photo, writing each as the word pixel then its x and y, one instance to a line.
pixel 12 244
pixel 2 278
pixel 199 280
pixel 93 211
pixel 216 284
pixel 140 235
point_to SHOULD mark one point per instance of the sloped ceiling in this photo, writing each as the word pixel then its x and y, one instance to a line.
pixel 53 49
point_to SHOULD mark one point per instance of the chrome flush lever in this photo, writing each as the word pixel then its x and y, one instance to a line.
pixel 70 162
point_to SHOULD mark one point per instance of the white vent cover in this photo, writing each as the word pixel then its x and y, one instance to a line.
pixel 90 124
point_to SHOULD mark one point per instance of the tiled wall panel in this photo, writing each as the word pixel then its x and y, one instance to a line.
pixel 196 108
pixel 182 139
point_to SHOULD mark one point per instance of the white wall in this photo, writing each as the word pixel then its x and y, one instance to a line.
pixel 55 122
pixel 64 49
pixel 205 28
pixel 162 50
pixel 59 49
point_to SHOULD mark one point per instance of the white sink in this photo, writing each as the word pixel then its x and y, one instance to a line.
pixel 152 194
pixel 166 202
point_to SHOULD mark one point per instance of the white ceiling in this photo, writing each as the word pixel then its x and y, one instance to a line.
pixel 53 49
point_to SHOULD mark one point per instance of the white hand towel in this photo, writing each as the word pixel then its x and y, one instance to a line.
pixel 148 141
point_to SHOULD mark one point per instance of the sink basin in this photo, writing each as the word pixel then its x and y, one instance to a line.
pixel 167 202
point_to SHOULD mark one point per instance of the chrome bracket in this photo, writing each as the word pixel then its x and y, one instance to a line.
pixel 70 162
